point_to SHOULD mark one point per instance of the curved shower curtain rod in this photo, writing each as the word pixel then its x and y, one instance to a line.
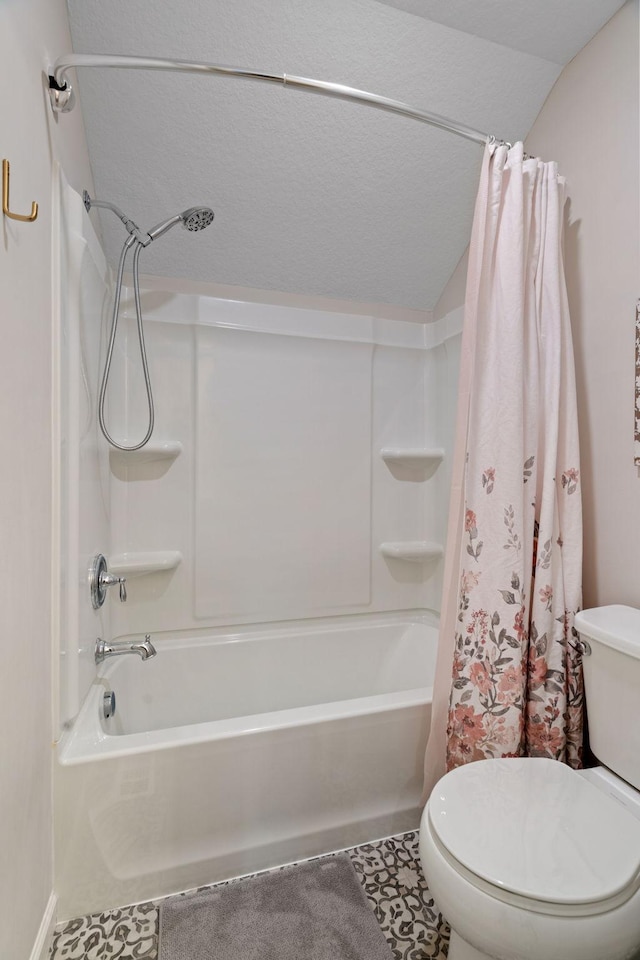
pixel 63 97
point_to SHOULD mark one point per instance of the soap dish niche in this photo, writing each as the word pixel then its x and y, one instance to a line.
pixel 412 551
pixel 142 564
pixel 412 463
pixel 149 463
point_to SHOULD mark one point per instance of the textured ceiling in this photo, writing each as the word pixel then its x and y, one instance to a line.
pixel 552 29
pixel 311 195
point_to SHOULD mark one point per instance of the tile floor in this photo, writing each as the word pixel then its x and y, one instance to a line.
pixel 390 873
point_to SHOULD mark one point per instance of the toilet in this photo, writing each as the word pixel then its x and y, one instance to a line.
pixel 530 860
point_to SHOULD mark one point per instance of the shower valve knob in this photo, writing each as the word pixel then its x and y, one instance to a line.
pixel 108 580
pixel 100 579
pixel 123 590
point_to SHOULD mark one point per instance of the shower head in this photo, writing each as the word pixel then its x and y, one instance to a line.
pixel 196 218
pixel 193 219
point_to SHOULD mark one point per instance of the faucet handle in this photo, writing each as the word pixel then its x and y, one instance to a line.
pixel 100 579
pixel 108 580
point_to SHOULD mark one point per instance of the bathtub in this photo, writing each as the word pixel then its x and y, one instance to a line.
pixel 239 751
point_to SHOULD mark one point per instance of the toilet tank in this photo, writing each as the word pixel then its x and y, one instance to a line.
pixel 612 687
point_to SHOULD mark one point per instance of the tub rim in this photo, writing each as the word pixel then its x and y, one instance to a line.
pixel 83 745
pixel 85 740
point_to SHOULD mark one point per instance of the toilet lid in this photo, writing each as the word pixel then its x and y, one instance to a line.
pixel 536 828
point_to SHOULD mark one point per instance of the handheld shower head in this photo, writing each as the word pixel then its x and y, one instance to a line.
pixel 193 219
pixel 196 218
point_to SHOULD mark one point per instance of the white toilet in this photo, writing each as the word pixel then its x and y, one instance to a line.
pixel 530 860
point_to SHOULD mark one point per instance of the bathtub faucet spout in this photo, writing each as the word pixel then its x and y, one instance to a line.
pixel 145 650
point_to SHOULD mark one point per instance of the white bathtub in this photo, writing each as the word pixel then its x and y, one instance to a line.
pixel 241 751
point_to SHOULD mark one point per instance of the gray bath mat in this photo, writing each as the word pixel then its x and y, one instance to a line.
pixel 312 911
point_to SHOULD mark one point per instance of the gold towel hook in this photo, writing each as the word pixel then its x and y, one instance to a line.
pixel 5 199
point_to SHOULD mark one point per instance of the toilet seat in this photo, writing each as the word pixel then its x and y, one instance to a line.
pixel 534 833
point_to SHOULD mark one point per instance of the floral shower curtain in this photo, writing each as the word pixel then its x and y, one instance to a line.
pixel 508 680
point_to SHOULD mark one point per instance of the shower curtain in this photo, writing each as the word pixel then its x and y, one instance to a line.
pixel 508 680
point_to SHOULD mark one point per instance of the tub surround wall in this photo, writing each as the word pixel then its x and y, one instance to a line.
pixel 280 298
pixel 32 33
pixel 282 498
pixel 274 500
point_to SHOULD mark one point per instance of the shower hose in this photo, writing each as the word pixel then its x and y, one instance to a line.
pixel 112 339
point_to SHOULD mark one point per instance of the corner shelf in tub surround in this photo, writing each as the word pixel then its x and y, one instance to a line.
pixel 415 551
pixel 150 453
pixel 139 564
pixel 425 459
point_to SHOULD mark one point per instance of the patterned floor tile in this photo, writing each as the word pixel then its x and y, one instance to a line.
pixel 393 880
pixel 129 933
pixel 389 871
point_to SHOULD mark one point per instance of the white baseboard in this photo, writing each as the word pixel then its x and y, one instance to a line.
pixel 45 934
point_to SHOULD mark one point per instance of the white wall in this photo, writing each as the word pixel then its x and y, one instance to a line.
pixel 589 124
pixel 32 34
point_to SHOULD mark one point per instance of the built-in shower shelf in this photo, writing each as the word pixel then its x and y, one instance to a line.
pixel 160 450
pixel 414 551
pixel 140 564
pixel 425 459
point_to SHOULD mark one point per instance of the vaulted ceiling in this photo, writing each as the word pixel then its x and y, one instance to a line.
pixel 312 195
